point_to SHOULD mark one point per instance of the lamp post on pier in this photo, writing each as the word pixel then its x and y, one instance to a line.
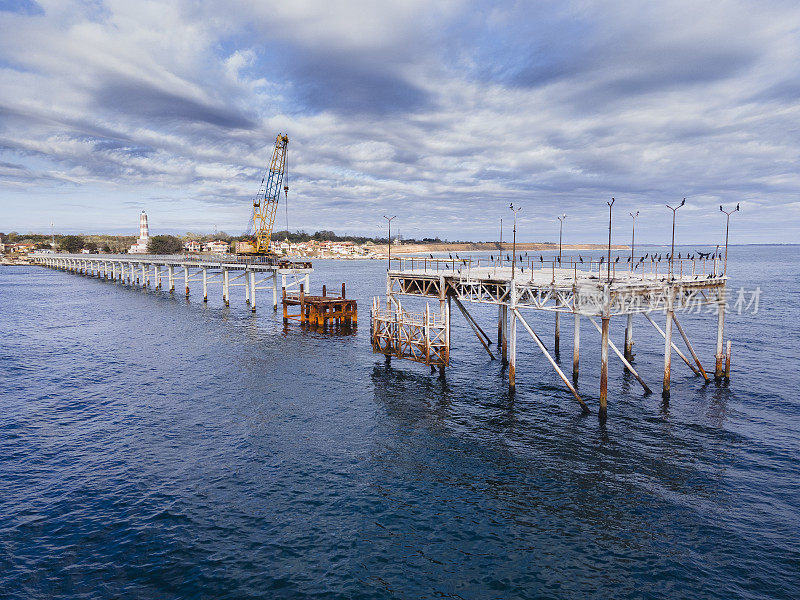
pixel 610 204
pixel 672 251
pixel 727 227
pixel 633 234
pixel 389 219
pixel 514 244
pixel 560 230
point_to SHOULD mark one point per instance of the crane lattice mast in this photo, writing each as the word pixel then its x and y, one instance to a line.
pixel 265 204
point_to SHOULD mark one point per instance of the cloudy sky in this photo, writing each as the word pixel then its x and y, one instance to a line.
pixel 441 113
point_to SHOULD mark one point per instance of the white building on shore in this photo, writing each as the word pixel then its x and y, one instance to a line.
pixel 140 247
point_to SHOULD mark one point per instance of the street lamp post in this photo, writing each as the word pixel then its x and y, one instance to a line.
pixel 514 244
pixel 633 234
pixel 560 230
pixel 389 219
pixel 672 251
pixel 727 227
pixel 610 204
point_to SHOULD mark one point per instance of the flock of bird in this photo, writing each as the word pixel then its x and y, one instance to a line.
pixel 653 258
pixel 523 259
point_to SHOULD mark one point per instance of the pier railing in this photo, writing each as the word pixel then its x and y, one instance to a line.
pixel 642 268
pixel 419 337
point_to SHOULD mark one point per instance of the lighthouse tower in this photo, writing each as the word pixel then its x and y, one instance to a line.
pixel 140 247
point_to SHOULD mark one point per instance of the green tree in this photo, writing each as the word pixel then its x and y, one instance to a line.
pixel 91 246
pixel 107 248
pixel 72 243
pixel 165 244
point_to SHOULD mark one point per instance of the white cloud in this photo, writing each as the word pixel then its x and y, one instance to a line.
pixel 558 108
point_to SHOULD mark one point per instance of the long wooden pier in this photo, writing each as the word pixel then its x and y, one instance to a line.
pixel 581 288
pixel 253 274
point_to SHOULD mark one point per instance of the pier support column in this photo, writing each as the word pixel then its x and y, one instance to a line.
pixel 512 367
pixel 720 356
pixel 499 325
pixel 246 286
pixel 225 288
pixel 275 290
pixel 205 284
pixel 158 276
pixel 576 347
pixel 171 277
pixel 502 327
pixel 604 367
pixel 628 352
pixel 667 347
pixel 728 361
pixel 145 275
pixel 252 276
pixel 557 335
pixel 186 279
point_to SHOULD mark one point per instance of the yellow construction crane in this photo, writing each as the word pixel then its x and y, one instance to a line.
pixel 265 204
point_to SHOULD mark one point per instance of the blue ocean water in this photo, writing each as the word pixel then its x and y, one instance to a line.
pixel 154 447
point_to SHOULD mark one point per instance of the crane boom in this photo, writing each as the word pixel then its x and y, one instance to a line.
pixel 265 204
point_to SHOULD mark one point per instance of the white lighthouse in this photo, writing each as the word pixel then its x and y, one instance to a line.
pixel 140 247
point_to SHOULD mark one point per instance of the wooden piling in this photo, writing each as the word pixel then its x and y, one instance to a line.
pixel 629 338
pixel 512 367
pixel 302 304
pixel 689 346
pixel 576 345
pixel 252 276
pixel 667 351
pixel 624 360
pixel 674 347
pixel 504 334
pixel 515 313
pixel 557 339
pixel 728 362
pixel 720 333
pixel 604 367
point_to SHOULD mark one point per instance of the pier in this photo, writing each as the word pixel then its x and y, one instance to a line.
pixel 152 271
pixel 595 290
pixel 321 311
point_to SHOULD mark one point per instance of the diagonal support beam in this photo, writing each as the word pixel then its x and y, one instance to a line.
pixel 552 362
pixel 471 319
pixel 628 365
pixel 674 347
pixel 473 325
pixel 691 350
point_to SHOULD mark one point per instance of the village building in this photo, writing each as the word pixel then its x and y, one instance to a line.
pixel 217 246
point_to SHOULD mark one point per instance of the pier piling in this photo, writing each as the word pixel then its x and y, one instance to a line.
pixel 576 347
pixel 602 411
pixel 720 333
